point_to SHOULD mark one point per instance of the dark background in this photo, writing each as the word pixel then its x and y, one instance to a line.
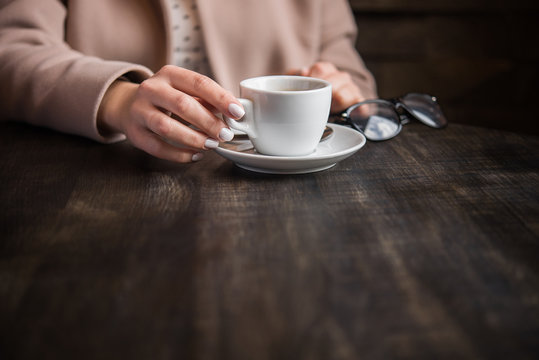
pixel 478 57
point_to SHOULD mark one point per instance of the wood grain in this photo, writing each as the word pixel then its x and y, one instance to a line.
pixel 424 246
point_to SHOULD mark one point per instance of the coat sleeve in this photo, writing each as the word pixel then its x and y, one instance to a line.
pixel 46 83
pixel 338 36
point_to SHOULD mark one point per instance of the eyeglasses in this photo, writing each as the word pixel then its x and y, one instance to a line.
pixel 381 119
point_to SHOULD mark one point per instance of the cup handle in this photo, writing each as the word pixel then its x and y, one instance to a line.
pixel 247 125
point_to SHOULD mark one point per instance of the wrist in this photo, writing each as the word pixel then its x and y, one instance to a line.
pixel 114 106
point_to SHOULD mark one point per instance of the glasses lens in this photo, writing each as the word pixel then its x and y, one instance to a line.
pixel 425 108
pixel 376 120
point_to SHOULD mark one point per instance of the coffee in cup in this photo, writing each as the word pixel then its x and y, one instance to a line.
pixel 284 115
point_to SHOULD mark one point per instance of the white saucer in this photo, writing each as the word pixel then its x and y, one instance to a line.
pixel 340 145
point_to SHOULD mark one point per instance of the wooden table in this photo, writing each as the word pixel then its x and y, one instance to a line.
pixel 425 246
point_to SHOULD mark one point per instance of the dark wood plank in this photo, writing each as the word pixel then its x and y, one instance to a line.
pixel 424 246
pixel 395 36
pixel 476 58
pixel 443 6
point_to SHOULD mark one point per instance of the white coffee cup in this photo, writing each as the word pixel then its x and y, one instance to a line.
pixel 284 115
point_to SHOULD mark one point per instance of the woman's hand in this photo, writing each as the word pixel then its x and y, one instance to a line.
pixel 344 91
pixel 144 113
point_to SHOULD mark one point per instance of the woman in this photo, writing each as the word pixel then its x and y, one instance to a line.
pixel 101 68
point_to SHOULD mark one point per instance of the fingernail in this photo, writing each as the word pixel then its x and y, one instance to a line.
pixel 226 134
pixel 236 110
pixel 211 144
pixel 197 157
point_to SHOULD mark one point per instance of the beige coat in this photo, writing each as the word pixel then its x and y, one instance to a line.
pixel 56 63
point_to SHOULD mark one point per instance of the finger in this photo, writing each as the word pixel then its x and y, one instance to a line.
pixel 345 97
pixel 344 91
pixel 207 105
pixel 176 132
pixel 322 70
pixel 156 146
pixel 203 87
pixel 189 109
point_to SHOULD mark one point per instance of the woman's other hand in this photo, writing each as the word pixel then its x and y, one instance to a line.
pixel 147 113
pixel 344 91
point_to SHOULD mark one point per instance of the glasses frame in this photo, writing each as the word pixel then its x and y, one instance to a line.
pixel 403 112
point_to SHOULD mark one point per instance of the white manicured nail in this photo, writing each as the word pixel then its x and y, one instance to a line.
pixel 197 157
pixel 211 144
pixel 226 134
pixel 236 110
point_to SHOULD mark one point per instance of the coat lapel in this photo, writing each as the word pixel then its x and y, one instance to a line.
pixel 216 28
